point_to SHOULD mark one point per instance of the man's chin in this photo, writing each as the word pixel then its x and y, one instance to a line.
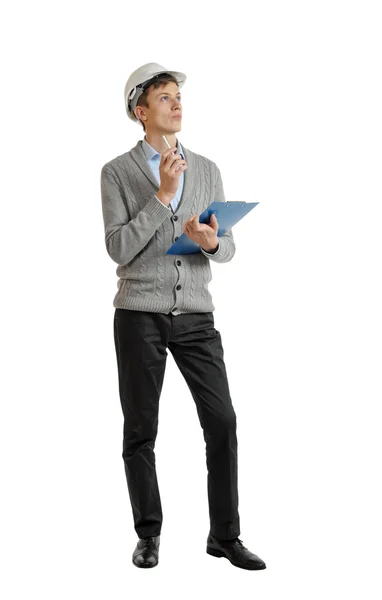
pixel 175 126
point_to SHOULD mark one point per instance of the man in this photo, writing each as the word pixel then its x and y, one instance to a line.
pixel 150 196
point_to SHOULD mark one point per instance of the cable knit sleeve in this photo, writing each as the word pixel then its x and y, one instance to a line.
pixel 124 237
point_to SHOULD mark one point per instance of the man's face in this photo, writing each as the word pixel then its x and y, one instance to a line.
pixel 165 112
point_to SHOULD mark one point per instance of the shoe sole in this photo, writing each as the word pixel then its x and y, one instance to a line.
pixel 220 554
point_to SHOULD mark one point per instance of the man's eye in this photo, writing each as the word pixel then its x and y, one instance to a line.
pixel 167 97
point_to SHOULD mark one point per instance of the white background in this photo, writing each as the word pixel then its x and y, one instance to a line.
pixel 285 97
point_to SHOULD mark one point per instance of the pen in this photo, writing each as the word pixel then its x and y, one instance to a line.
pixel 166 140
pixel 168 145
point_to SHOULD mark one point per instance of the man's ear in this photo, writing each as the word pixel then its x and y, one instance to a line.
pixel 141 117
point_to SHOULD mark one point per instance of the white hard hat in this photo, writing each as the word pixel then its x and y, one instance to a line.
pixel 140 80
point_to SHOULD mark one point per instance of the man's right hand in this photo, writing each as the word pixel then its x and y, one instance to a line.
pixel 171 167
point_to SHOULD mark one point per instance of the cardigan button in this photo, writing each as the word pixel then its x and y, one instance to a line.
pixel 178 287
pixel 175 218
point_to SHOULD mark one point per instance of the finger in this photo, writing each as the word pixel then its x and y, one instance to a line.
pixel 176 161
pixel 169 152
pixel 171 158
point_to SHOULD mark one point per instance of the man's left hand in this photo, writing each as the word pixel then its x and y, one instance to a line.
pixel 204 235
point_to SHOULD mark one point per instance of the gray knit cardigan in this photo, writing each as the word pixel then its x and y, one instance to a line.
pixel 139 229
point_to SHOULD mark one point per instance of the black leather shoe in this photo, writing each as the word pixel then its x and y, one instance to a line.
pixel 146 553
pixel 235 552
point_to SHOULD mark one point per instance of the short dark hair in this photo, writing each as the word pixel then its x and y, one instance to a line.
pixel 160 80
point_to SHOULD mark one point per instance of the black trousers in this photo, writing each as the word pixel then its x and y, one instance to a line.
pixel 141 342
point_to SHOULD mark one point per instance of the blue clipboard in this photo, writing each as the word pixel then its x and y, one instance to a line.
pixel 227 213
